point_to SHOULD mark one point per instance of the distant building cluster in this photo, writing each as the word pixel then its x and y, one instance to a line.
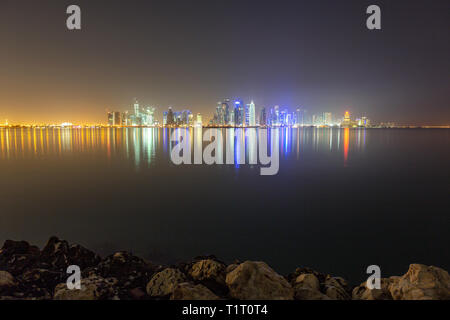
pixel 140 116
pixel 179 118
pixel 238 114
pixel 347 122
pixel 235 113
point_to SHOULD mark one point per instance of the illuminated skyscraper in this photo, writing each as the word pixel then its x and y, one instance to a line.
pixel 276 120
pixel 239 113
pixel 115 118
pixel 136 108
pixel 170 117
pixel 288 119
pixel 219 114
pixel 199 120
pixel 347 122
pixel 263 117
pixel 111 118
pixel 178 117
pixel 226 111
pixel 317 119
pixel 125 119
pixel 327 118
pixel 251 114
pixel 232 121
pixel 283 118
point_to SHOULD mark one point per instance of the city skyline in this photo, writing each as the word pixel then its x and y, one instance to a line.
pixel 234 113
pixel 300 53
pixel 138 114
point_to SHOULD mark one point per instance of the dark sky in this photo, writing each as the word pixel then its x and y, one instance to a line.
pixel 191 54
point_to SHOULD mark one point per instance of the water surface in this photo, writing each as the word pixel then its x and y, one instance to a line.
pixel 343 198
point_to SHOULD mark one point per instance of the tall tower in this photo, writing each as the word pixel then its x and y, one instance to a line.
pixel 263 117
pixel 251 114
pixel 347 120
pixel 277 115
pixel 136 108
pixel 239 113
pixel 219 113
pixel 226 111
pixel 170 117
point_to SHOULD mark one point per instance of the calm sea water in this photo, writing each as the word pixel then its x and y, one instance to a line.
pixel 342 200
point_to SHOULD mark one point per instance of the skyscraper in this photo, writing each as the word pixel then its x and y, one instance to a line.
pixel 263 117
pixel 251 114
pixel 276 120
pixel 219 114
pixel 347 121
pixel 170 117
pixel 327 118
pixel 125 119
pixel 225 112
pixel 239 113
pixel 136 108
pixel 115 118
pixel 301 117
pixel 111 118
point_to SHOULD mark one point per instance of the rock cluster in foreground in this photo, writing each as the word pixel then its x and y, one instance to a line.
pixel 26 272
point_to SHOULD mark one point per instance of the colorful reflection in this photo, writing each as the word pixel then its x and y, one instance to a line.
pixel 142 145
pixel 346 143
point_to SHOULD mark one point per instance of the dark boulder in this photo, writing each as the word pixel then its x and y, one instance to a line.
pixel 41 278
pixel 18 256
pixel 130 271
pixel 59 255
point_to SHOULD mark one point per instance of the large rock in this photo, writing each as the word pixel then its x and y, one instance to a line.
pixel 361 292
pixel 18 256
pixel 7 283
pixel 163 283
pixel 421 283
pixel 92 288
pixel 308 280
pixel 131 272
pixel 211 274
pixel 208 270
pixel 292 277
pixel 307 287
pixel 39 283
pixel 257 281
pixel 189 291
pixel 59 255
pixel 336 288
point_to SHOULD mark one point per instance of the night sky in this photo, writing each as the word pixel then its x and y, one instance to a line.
pixel 191 54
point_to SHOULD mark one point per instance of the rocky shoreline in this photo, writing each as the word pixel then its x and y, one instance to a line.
pixel 28 273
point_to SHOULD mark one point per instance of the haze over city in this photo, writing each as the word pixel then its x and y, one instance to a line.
pixel 319 56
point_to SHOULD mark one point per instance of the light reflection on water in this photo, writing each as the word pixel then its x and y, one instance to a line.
pixel 143 145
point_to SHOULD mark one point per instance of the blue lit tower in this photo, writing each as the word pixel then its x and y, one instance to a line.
pixel 226 111
pixel 239 113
